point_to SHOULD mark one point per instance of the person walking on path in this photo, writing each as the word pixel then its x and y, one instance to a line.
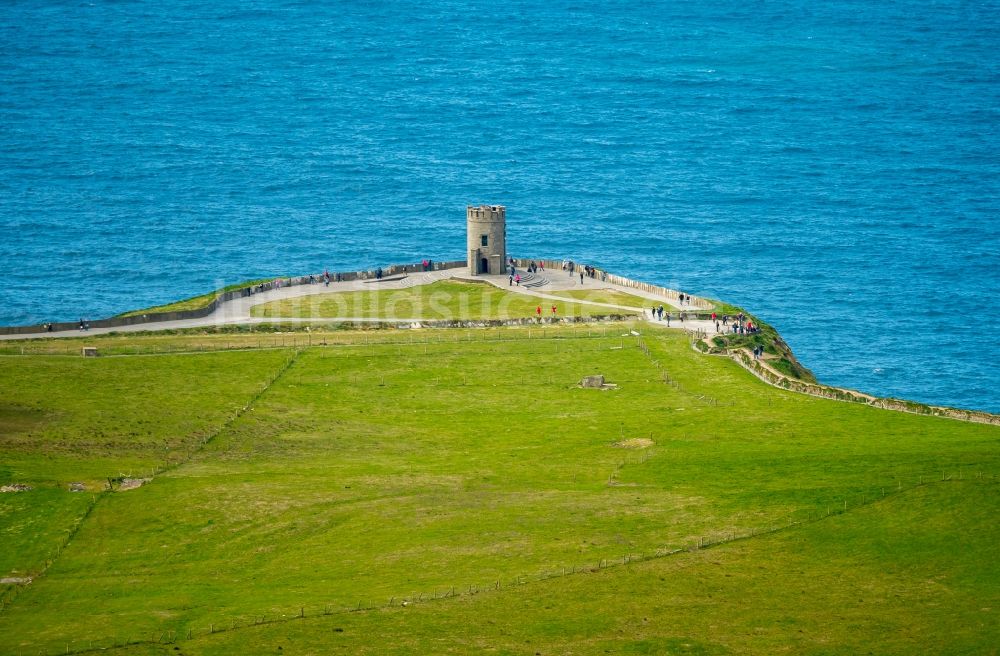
pixel 659 311
pixel 581 277
pixel 538 311
pixel 553 310
pixel 517 279
pixel 510 280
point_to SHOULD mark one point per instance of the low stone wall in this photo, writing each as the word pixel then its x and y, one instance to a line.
pixel 115 322
pixel 484 323
pixel 744 358
pixel 157 317
pixel 555 267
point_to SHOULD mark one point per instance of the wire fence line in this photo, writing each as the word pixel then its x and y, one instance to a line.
pixel 114 483
pixel 858 500
pixel 265 386
pixel 639 459
pixel 670 381
pixel 8 597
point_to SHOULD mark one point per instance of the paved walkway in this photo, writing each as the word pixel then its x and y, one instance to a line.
pixel 237 311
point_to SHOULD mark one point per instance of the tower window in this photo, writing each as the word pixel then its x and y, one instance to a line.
pixel 484 240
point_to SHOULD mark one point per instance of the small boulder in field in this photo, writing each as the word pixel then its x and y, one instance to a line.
pixel 132 483
pixel 16 487
pixel 592 381
pixel 77 487
pixel 635 443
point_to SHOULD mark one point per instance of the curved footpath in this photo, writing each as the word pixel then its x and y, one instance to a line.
pixel 237 311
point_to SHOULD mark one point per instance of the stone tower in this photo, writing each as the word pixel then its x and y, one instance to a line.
pixel 487 237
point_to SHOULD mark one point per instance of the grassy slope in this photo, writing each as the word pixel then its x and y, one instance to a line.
pixel 609 296
pixel 371 472
pixel 440 300
pixel 195 302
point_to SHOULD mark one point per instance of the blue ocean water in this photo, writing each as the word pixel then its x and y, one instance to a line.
pixel 831 166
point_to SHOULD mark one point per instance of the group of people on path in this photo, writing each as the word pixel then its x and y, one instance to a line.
pixel 585 271
pixel 569 266
pixel 657 312
pixel 513 275
pixel 740 324
pixel 327 277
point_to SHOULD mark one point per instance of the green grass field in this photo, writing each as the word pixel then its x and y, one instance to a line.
pixel 466 474
pixel 441 300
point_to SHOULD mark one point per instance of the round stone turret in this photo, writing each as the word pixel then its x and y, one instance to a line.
pixel 487 239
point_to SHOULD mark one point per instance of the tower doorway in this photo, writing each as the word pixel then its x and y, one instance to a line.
pixel 484 265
